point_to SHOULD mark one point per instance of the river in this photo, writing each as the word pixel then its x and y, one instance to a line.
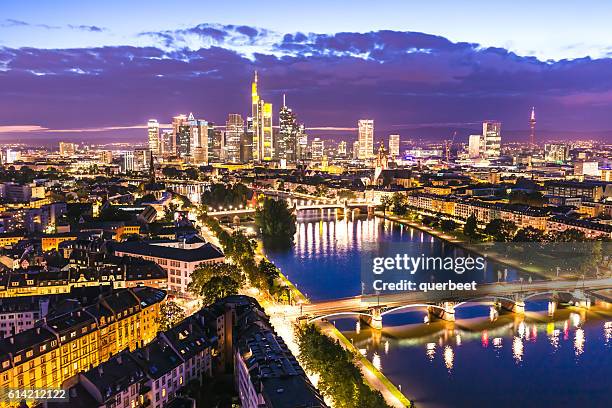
pixel 482 359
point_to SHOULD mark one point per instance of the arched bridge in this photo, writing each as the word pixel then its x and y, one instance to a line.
pixel 510 296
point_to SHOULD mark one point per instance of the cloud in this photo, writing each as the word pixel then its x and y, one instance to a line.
pixel 426 83
pixel 9 22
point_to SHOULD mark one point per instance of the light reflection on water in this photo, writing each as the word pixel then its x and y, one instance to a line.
pixel 514 349
pixel 484 358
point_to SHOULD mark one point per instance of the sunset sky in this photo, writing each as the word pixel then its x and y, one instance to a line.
pixel 417 68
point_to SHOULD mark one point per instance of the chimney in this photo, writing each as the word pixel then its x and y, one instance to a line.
pixel 100 371
pixel 146 354
pixel 119 361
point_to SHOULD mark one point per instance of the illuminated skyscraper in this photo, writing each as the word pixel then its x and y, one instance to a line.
pixel 177 122
pixel 342 148
pixel 556 152
pixel 356 149
pixel 167 142
pixel 302 143
pixel 234 130
pixel 183 141
pixel 366 138
pixel 394 145
pixel 154 139
pixel 67 149
pixel 246 142
pixel 318 147
pixel 263 137
pixel 491 133
pixel 198 140
pixel 532 123
pixel 288 133
pixel 474 146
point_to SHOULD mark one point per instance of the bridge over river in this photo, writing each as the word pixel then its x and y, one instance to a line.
pixel 442 304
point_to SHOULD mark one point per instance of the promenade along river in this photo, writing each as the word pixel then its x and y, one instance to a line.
pixel 482 359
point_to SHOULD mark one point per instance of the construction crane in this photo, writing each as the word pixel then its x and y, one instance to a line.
pixel 448 146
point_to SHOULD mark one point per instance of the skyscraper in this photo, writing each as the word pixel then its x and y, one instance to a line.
pixel 246 142
pixel 167 142
pixel 183 141
pixel 342 148
pixel 474 146
pixel 532 123
pixel 491 133
pixel 394 145
pixel 366 138
pixel 234 129
pixel 67 149
pixel 288 133
pixel 199 141
pixel 263 137
pixel 318 147
pixel 302 143
pixel 356 151
pixel 177 122
pixel 154 139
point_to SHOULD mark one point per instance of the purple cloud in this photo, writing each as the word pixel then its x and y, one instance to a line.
pixel 404 80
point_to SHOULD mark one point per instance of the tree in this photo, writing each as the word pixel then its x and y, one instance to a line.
pixel 276 222
pixel 429 221
pixel 339 378
pixel 568 235
pixel 399 204
pixel 169 211
pixel 321 190
pixel 217 288
pixel 226 195
pixel 386 202
pixel 202 275
pixel 529 234
pixel 448 225
pixel 471 226
pixel 170 314
pixel 501 230
pixel 301 190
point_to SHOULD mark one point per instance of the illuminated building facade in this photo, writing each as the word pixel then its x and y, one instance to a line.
pixel 154 137
pixel 263 136
pixel 394 145
pixel 491 133
pixel 47 355
pixel 234 129
pixel 366 138
pixel 288 134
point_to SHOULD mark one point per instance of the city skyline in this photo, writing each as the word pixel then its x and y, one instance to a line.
pixel 416 84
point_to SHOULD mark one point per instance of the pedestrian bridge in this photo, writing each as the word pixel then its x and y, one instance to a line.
pixel 442 304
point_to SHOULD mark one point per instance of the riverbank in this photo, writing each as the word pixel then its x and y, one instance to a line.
pixel 460 242
pixel 375 378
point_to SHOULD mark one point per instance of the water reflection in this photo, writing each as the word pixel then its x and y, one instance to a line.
pixel 449 357
pixel 517 349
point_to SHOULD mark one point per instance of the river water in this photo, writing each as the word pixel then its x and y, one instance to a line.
pixel 482 359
